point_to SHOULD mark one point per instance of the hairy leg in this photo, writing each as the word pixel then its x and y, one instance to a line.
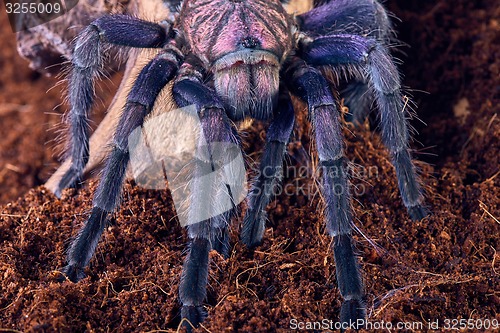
pixel 385 84
pixel 311 86
pixel 207 226
pixel 360 17
pixel 139 103
pixel 270 172
pixel 366 18
pixel 86 63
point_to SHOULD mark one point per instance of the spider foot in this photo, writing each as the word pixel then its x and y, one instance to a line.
pixel 72 273
pixel 352 314
pixel 71 179
pixel 253 229
pixel 417 212
pixel 192 316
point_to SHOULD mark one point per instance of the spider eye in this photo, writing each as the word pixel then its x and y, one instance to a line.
pixel 250 42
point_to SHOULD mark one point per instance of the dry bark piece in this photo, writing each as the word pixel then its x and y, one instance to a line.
pixel 47 45
pixel 152 10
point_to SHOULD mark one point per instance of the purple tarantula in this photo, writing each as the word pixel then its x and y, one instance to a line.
pixel 234 59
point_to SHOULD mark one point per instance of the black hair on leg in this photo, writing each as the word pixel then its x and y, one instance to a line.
pixel 270 171
pixel 139 103
pixel 359 17
pixel 341 50
pixel 86 63
pixel 217 139
pixel 311 86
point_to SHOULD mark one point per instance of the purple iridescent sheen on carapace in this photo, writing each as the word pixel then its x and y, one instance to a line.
pixel 245 44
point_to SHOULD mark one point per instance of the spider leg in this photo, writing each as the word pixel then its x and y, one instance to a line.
pixel 86 63
pixel 339 50
pixel 140 100
pixel 270 172
pixel 215 150
pixel 307 83
pixel 360 17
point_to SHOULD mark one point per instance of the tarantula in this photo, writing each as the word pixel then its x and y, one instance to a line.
pixel 234 59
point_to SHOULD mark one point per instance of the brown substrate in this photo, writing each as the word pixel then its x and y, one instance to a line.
pixel 445 266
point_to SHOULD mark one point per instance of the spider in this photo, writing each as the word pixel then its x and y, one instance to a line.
pixel 237 59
